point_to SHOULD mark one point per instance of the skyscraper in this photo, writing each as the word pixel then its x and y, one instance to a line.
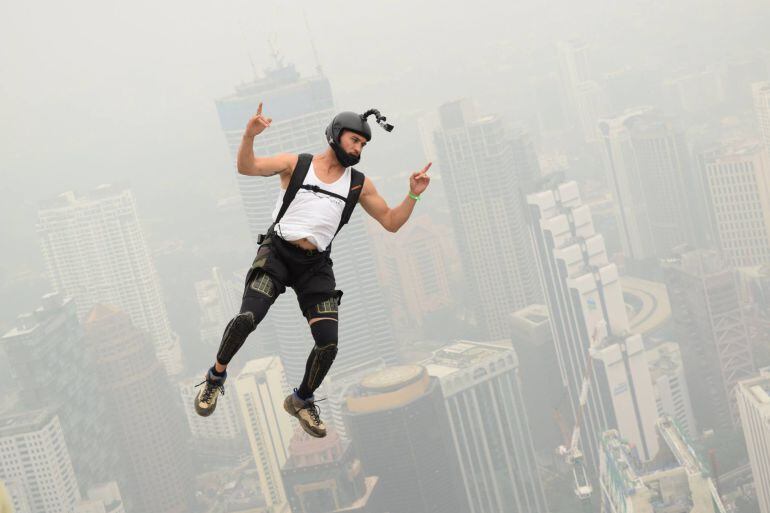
pixel 672 395
pixel 261 388
pixel 738 178
pixel 139 395
pixel 486 176
pixel 648 170
pixel 45 354
pixel 35 454
pixel 590 325
pixel 391 417
pixel 95 251
pixel 489 425
pixel 761 95
pixel 754 405
pixel 712 333
pixel 301 109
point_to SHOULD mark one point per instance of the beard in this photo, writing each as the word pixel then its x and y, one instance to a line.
pixel 344 158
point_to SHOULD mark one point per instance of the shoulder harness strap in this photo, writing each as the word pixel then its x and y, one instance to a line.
pixel 295 183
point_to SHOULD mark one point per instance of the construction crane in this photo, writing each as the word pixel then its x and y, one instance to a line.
pixel 570 450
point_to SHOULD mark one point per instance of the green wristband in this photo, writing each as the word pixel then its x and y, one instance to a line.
pixel 413 196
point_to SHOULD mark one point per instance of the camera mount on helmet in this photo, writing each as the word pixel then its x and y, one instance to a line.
pixel 355 123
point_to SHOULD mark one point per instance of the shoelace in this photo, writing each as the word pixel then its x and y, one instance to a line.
pixel 315 411
pixel 210 387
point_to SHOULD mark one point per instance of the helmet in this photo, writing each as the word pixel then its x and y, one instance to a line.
pixel 346 121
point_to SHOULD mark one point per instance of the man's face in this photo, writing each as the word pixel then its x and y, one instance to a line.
pixel 352 143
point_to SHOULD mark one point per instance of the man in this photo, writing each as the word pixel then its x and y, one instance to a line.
pixel 318 194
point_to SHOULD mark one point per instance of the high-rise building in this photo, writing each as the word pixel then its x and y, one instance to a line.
pixel 391 418
pixel 489 425
pixel 34 453
pixel 761 94
pixel 677 480
pixel 590 326
pixel 95 251
pixel 301 109
pixel 672 394
pixel 261 388
pixel 647 165
pixel 585 97
pixel 754 405
pixel 538 368
pixel 325 476
pixel 138 395
pixel 712 333
pixel 738 179
pixel 45 354
pixel 486 174
pixel 219 299
pixel 416 269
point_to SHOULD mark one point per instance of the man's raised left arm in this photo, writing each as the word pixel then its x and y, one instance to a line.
pixel 393 218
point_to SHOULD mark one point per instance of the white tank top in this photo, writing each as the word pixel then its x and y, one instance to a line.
pixel 313 215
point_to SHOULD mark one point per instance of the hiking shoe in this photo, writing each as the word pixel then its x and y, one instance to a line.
pixel 307 412
pixel 206 400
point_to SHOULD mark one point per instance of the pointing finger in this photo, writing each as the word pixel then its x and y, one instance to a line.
pixel 259 109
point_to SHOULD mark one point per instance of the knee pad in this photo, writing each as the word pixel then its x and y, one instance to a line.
pixel 236 332
pixel 324 332
pixel 324 352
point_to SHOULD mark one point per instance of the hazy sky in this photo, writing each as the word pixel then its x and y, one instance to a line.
pixel 96 91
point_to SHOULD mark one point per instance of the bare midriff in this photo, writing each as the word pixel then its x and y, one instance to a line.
pixel 303 243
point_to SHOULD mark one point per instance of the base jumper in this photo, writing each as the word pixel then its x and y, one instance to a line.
pixel 318 194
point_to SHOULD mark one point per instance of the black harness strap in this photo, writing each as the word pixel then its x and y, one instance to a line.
pixel 296 183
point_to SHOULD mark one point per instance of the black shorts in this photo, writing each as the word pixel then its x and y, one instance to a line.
pixel 309 273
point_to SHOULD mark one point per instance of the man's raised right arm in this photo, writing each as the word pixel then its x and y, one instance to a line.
pixel 247 163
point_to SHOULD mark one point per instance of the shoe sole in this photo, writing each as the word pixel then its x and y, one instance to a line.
pixel 289 409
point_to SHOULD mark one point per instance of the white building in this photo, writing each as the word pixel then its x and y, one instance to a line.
pixel 754 407
pixel 34 455
pixel 95 252
pixel 219 300
pixel 261 388
pixel 225 426
pixel 588 317
pixel 672 395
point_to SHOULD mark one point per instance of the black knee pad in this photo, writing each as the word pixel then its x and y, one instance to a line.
pixel 236 332
pixel 324 352
pixel 324 332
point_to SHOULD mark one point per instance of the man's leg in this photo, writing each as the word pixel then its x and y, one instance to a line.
pixel 260 293
pixel 323 320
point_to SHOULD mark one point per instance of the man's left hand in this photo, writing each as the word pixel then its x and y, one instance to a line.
pixel 419 181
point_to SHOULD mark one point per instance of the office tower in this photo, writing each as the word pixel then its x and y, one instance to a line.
pixel 416 268
pixel 36 456
pixel 647 165
pixel 760 92
pixel 143 406
pixel 542 387
pixel 325 476
pixel 301 109
pixel 485 178
pixel 45 354
pixel 677 481
pixel 586 100
pixel 489 425
pixel 588 317
pixel 95 251
pixel 261 388
pixel 219 299
pixel 711 331
pixel 753 397
pixel 672 394
pixel 397 420
pixel 738 178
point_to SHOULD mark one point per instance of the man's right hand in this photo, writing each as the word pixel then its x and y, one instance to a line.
pixel 257 124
